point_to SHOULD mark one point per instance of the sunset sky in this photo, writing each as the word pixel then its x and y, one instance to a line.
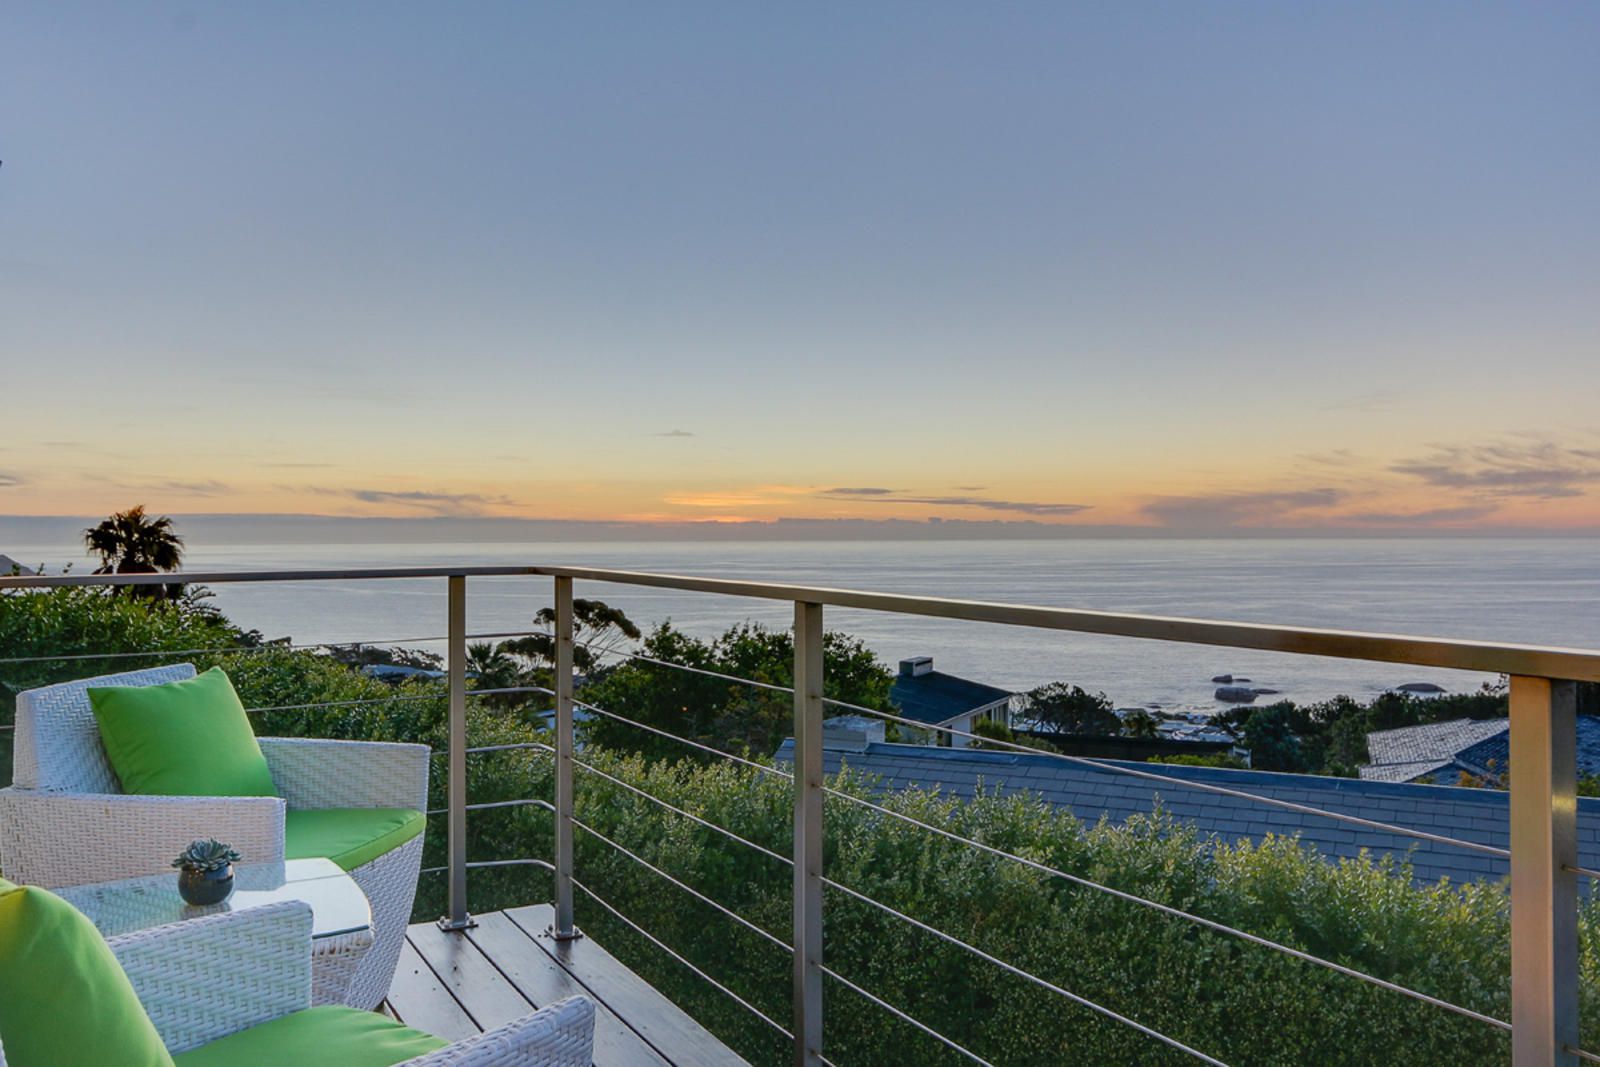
pixel 1202 267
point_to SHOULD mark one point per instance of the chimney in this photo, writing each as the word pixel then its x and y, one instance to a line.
pixel 915 666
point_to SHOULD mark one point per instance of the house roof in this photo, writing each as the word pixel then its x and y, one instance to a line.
pixel 1472 745
pixel 1495 751
pixel 1092 789
pixel 935 697
pixel 1438 741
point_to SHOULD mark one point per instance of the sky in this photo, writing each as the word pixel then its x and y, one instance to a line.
pixel 1141 266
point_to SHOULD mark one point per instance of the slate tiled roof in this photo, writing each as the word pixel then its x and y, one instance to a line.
pixel 936 697
pixel 1444 749
pixel 1429 741
pixel 1089 792
pixel 1496 749
pixel 1410 771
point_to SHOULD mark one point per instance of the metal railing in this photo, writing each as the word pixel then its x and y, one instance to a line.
pixel 1543 811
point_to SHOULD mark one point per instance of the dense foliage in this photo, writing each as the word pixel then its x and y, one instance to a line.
pixel 1330 737
pixel 734 717
pixel 1238 1002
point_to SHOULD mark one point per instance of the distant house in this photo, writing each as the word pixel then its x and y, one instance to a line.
pixel 939 699
pixel 1439 752
pixel 395 672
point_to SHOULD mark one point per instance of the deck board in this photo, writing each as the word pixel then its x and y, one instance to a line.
pixel 542 980
pixel 666 1027
pixel 417 998
pixel 458 984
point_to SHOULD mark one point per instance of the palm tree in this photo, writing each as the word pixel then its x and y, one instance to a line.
pixel 130 543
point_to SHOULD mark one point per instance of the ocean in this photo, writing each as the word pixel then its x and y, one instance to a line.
pixel 1539 591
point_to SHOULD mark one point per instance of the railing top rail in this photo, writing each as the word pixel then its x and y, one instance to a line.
pixel 1484 656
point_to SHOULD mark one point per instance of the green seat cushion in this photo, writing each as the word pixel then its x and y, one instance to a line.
pixel 189 738
pixel 330 1036
pixel 64 998
pixel 350 837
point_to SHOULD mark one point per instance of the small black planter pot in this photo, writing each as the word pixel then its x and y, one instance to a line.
pixel 205 887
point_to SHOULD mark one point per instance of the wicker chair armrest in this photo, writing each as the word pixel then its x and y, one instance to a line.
pixel 312 773
pixel 561 1035
pixel 56 839
pixel 205 978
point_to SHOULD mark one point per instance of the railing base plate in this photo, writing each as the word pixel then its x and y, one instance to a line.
pixel 556 935
pixel 450 926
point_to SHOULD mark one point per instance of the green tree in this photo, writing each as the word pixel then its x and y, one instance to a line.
pixel 599 632
pixel 1139 723
pixel 1269 735
pixel 1063 708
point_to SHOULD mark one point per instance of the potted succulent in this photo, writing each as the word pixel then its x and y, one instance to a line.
pixel 205 872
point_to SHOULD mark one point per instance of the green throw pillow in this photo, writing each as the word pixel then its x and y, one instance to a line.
pixel 188 738
pixel 64 998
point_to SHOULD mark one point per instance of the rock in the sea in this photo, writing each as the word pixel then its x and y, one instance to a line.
pixel 1419 687
pixel 1223 679
pixel 1265 692
pixel 1235 694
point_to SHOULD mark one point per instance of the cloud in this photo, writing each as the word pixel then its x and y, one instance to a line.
pixel 1464 513
pixel 456 505
pixel 1226 510
pixel 673 433
pixel 1338 457
pixel 1540 469
pixel 11 481
pixel 969 488
pixel 298 466
pixel 202 488
pixel 894 496
pixel 1368 401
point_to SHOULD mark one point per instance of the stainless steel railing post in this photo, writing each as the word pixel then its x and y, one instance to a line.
pixel 456 804
pixel 1544 893
pixel 807 834
pixel 563 930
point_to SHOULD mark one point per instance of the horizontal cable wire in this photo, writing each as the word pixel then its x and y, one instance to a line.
pixel 637 657
pixel 267 646
pixel 1178 913
pixel 347 703
pixel 526 802
pixel 1012 968
pixel 398 696
pixel 1585 871
pixel 764 850
pixel 684 740
pixel 642 932
pixel 1581 1054
pixel 902 1016
pixel 691 890
pixel 538 745
pixel 1111 768
pixel 478 864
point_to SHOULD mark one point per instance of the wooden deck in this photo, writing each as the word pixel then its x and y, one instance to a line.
pixel 457 985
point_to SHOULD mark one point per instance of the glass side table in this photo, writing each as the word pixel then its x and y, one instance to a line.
pixel 341 919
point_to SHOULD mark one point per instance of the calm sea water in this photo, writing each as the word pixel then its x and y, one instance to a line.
pixel 1532 591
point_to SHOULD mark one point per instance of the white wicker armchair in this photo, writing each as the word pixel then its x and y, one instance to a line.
pixel 202 980
pixel 65 820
